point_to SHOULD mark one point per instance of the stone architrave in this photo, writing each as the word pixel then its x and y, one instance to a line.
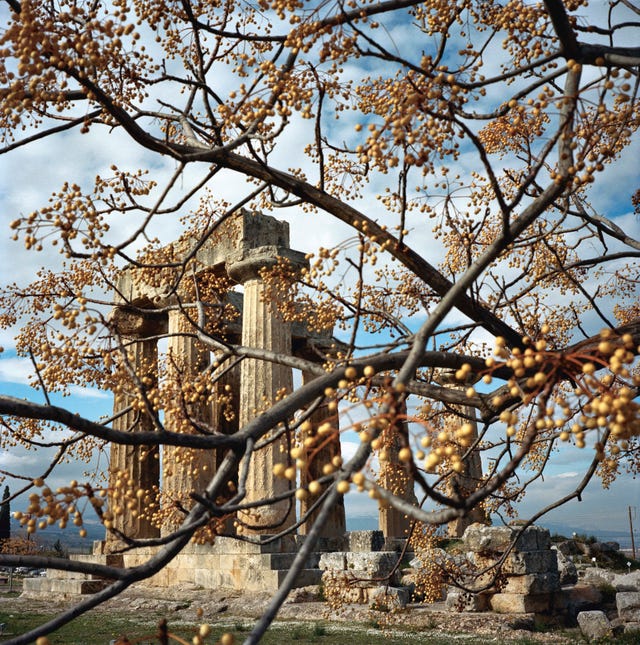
pixel 465 482
pixel 261 383
pixel 183 469
pixel 335 526
pixel 397 479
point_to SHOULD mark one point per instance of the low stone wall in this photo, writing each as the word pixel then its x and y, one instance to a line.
pixel 365 573
pixel 228 563
pixel 522 581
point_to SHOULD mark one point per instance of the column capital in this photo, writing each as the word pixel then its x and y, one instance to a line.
pixel 247 264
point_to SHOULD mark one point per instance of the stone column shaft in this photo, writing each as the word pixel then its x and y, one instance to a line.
pixel 465 482
pixel 261 383
pixel 134 468
pixel 183 469
pixel 397 479
pixel 335 526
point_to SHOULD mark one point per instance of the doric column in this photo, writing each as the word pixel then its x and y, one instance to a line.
pixel 225 413
pixel 262 382
pixel 317 457
pixel 134 471
pixel 465 482
pixel 184 470
pixel 396 478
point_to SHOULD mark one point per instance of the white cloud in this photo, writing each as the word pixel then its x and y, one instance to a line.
pixel 15 370
pixel 88 393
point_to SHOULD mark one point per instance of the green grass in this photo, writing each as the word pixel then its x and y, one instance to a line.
pixel 100 628
pixel 89 629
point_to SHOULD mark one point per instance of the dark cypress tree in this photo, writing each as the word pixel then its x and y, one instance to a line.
pixel 5 516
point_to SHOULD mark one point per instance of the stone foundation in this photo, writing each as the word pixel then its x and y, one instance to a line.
pixel 226 564
pixel 525 582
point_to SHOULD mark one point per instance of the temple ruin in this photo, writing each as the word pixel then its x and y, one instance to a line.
pixel 151 309
pixel 157 321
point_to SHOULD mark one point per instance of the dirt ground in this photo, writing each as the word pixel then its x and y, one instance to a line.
pixel 180 603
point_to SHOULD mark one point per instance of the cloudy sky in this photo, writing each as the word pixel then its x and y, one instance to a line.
pixel 30 174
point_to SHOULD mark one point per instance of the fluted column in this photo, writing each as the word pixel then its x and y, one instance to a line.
pixel 261 384
pixel 184 470
pixel 317 457
pixel 225 413
pixel 466 481
pixel 134 471
pixel 395 477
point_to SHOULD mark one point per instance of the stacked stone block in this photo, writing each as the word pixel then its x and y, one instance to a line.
pixel 362 574
pixel 527 578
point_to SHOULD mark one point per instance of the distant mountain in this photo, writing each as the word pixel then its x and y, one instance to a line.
pixel 68 537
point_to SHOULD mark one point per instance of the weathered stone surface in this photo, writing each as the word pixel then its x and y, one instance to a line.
pixel 377 564
pixel 497 539
pixel 572 600
pixel 365 541
pixel 566 568
pixel 513 603
pixel 333 528
pixel 632 628
pixel 521 562
pixel 139 464
pixel 388 598
pixel 568 547
pixel 628 605
pixel 335 561
pixel 462 601
pixel 311 593
pixel 597 576
pixel 61 587
pixel 627 581
pixel 440 556
pixel 594 625
pixel 535 583
pixel 261 381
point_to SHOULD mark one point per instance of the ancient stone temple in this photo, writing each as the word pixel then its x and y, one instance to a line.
pixel 156 305
pixel 240 249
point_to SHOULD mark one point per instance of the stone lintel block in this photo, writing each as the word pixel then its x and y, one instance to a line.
pixel 480 538
pixel 594 625
pixel 364 541
pixel 462 601
pixel 521 562
pixel 514 603
pixel 333 561
pixel 533 583
pixel 129 322
pixel 243 231
pixel 628 605
pixel 378 563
